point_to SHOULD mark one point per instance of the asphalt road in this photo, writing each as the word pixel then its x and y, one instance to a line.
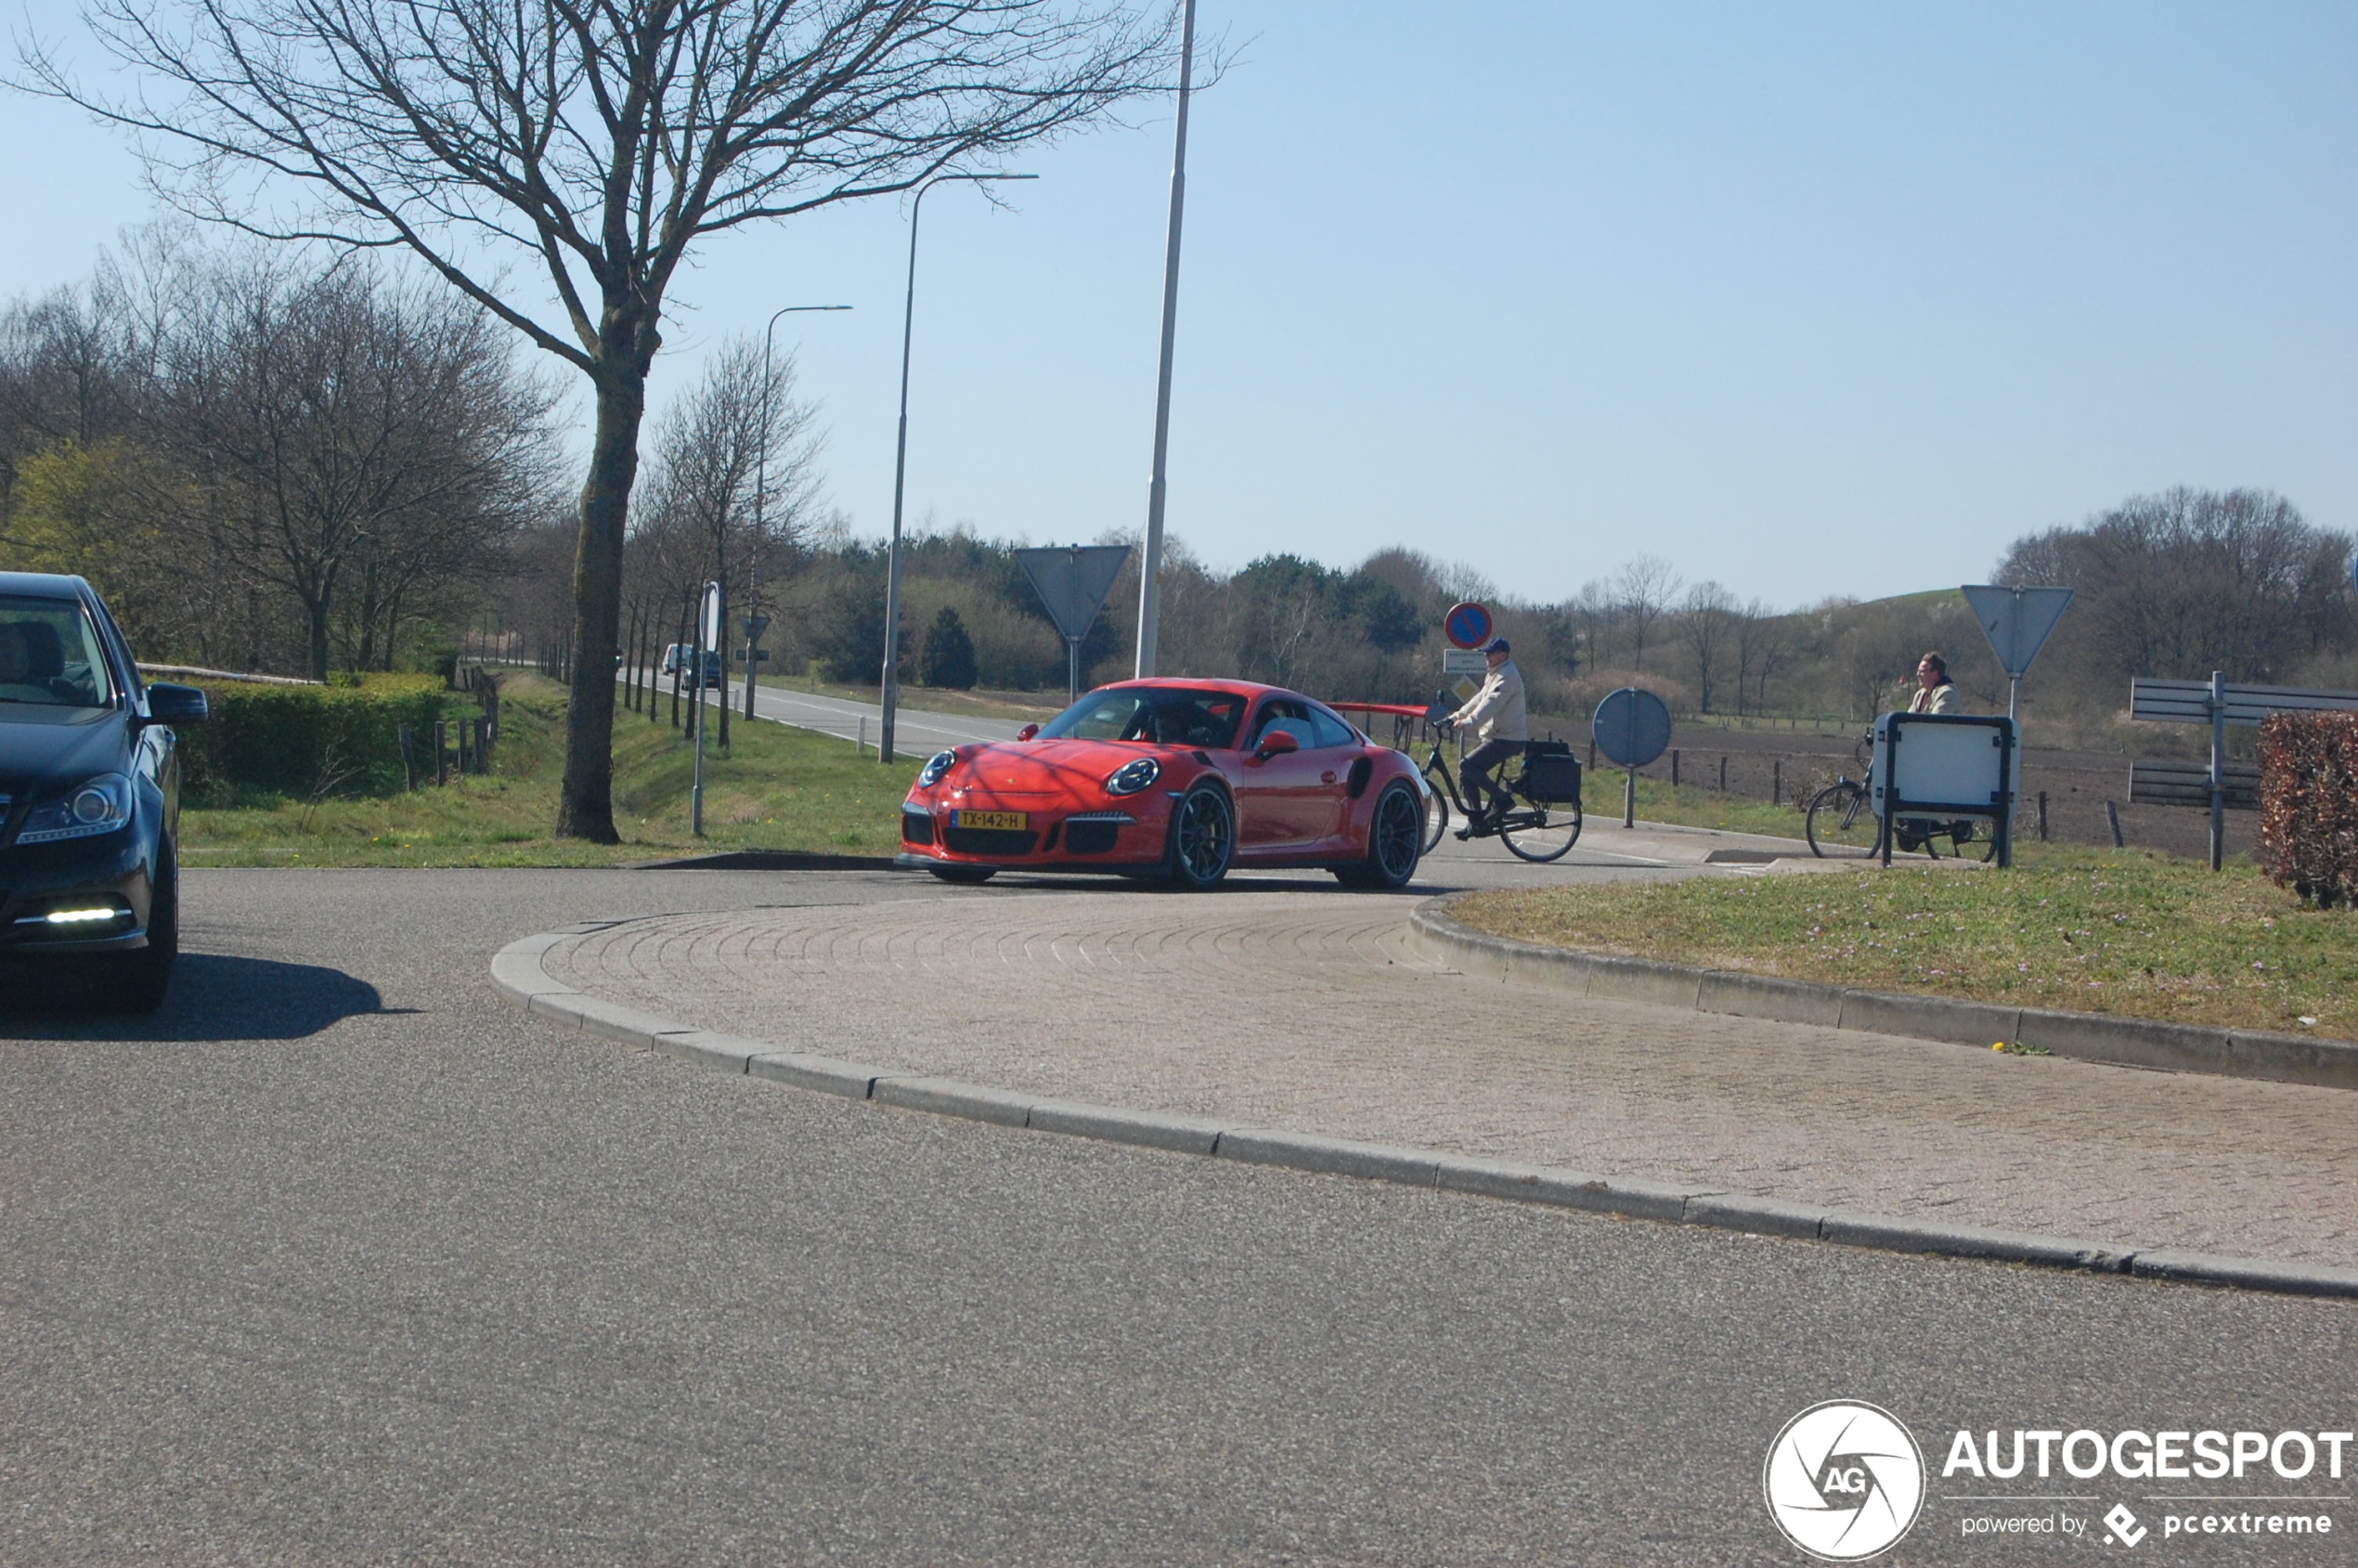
pixel 916 731
pixel 340 1259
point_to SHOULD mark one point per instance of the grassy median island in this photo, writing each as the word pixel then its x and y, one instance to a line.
pixel 774 788
pixel 2130 932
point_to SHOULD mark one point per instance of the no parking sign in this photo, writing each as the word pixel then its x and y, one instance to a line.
pixel 1466 625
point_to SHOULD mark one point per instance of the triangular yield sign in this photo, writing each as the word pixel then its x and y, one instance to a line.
pixel 1072 580
pixel 2016 621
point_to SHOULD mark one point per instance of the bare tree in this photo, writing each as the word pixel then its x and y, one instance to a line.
pixel 603 141
pixel 736 439
pixel 343 427
pixel 1708 624
pixel 2189 581
pixel 1642 591
pixel 1763 644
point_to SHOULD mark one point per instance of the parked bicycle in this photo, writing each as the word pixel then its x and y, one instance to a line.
pixel 1544 782
pixel 1841 822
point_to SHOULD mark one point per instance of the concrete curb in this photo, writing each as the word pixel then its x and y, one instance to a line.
pixel 2090 1037
pixel 518 975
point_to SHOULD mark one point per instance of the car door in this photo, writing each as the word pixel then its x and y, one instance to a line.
pixel 1279 805
pixel 1334 747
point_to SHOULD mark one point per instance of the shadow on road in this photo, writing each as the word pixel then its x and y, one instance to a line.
pixel 214 996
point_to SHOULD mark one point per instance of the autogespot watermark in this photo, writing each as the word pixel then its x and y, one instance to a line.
pixel 1846 1481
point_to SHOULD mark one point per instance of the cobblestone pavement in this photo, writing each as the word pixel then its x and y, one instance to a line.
pixel 1313 1011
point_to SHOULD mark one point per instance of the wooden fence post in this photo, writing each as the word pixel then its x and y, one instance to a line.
pixel 1777 781
pixel 409 761
pixel 441 760
pixel 2112 815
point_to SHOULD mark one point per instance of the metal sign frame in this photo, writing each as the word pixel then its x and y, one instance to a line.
pixel 1890 805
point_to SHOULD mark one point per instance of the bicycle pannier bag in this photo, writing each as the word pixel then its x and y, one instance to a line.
pixel 1551 772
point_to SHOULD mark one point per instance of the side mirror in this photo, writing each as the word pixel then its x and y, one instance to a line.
pixel 1276 743
pixel 168 703
pixel 1026 732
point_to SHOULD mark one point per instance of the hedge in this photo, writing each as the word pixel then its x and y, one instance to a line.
pixel 2309 805
pixel 293 740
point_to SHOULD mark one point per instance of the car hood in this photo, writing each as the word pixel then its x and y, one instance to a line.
pixel 44 749
pixel 1066 769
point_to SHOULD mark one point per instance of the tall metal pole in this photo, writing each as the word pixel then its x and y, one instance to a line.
pixel 1150 569
pixel 891 682
pixel 761 474
pixel 707 614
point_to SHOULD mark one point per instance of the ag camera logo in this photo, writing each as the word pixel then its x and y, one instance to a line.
pixel 1844 1480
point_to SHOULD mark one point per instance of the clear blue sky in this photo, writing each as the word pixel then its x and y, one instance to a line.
pixel 1809 299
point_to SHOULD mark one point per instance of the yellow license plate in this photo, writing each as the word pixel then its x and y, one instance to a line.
pixel 1018 821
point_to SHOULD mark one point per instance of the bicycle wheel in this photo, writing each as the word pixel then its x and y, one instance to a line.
pixel 1436 814
pixel 1540 834
pixel 1840 824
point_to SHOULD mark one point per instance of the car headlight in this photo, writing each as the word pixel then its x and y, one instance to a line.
pixel 1132 777
pixel 937 764
pixel 100 805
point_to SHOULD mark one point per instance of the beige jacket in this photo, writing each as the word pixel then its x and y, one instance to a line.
pixel 1497 709
pixel 1940 699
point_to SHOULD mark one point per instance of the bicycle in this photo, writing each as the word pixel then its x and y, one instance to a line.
pixel 1539 828
pixel 1841 822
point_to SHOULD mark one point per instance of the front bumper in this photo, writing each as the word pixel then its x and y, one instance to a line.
pixel 1095 839
pixel 36 880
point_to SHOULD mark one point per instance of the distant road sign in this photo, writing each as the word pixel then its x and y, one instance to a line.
pixel 1071 581
pixel 1463 661
pixel 710 619
pixel 1632 727
pixel 756 625
pixel 2016 621
pixel 1466 625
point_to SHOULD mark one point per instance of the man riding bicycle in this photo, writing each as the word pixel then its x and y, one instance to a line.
pixel 1497 713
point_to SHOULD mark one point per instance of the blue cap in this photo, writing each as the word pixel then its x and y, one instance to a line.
pixel 1499 645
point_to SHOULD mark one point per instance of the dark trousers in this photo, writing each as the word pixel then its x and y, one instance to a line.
pixel 1473 776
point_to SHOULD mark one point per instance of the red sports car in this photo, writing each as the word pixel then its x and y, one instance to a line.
pixel 1176 779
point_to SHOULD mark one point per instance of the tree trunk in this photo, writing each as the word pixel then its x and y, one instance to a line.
pixel 316 613
pixel 585 810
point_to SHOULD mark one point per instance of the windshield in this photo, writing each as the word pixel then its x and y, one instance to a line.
pixel 1158 715
pixel 49 655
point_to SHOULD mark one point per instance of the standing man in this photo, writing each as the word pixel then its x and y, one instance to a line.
pixel 1500 730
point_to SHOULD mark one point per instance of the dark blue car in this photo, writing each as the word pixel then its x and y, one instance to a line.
pixel 90 794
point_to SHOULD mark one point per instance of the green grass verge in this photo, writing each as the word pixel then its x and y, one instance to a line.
pixel 774 788
pixel 2129 932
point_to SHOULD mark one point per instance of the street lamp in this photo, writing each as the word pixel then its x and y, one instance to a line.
pixel 762 477
pixel 900 469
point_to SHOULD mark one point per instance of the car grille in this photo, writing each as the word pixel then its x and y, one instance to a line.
pixel 915 828
pixel 1089 838
pixel 986 842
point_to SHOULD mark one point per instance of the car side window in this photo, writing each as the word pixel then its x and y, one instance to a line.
pixel 1329 730
pixel 1290 716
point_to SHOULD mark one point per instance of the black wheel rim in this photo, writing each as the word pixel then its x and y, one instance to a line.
pixel 1203 837
pixel 1399 834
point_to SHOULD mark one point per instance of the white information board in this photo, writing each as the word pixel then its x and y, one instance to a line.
pixel 1944 763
